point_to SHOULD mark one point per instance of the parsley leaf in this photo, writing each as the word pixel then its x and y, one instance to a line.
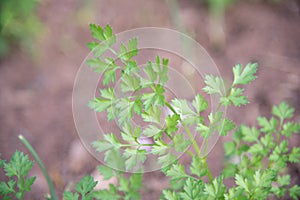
pixel 244 76
pixel 214 85
pixel 283 111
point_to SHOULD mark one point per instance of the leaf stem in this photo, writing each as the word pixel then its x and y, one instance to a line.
pixel 278 132
pixel 187 130
pixel 170 107
pixel 209 174
pixel 190 153
pixel 194 143
pixel 41 165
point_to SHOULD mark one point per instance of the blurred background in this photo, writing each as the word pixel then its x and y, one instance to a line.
pixel 43 43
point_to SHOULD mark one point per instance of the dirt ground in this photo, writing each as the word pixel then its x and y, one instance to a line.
pixel 36 93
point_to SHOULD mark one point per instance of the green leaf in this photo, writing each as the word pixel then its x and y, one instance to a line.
pixel 131 67
pixel 295 192
pixel 217 189
pixel 98 65
pixel 203 129
pixel 138 106
pixel 132 47
pixel 103 34
pixel 289 128
pixel 92 45
pixel 67 195
pixel 277 154
pixel 265 179
pixel 171 123
pixel 294 156
pixel 149 99
pixel 113 158
pixel 85 185
pixel 129 83
pixel 112 139
pixel 123 184
pixel 238 135
pixel 99 105
pixel 28 183
pixel 159 94
pixel 225 127
pixel 7 188
pixel 249 134
pixel 106 172
pixel 197 167
pixel 111 194
pixel 284 180
pixel 124 110
pixel 128 134
pixel 170 195
pixel 242 183
pixel 246 75
pixel 177 172
pixel 159 148
pixel 151 131
pixel 109 76
pixel 153 99
pixel 97 32
pixel 230 170
pixel 283 111
pixel 157 73
pixel 136 181
pixel 266 125
pixel 180 143
pixel 182 107
pixel 152 75
pixel 101 145
pixel 163 74
pixel 166 159
pixel 199 103
pixel 192 190
pixel 214 85
pixel 127 53
pixel 267 140
pixel 153 115
pixel 133 157
pixel 107 31
pixel 236 97
pixel 19 165
pixel 108 93
pixel 229 148
pixel 256 149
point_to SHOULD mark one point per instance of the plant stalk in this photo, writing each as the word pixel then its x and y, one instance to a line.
pixel 41 165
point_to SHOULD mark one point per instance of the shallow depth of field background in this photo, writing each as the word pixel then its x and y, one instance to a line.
pixel 40 55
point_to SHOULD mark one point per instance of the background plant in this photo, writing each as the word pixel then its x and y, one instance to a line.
pixel 19 25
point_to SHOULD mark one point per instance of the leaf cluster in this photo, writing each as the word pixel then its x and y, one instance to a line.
pixel 16 171
pixel 126 189
pixel 256 158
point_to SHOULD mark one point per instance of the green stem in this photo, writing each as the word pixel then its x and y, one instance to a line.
pixel 170 107
pixel 190 153
pixel 136 145
pixel 41 165
pixel 187 130
pixel 194 143
pixel 113 51
pixel 278 132
pixel 209 174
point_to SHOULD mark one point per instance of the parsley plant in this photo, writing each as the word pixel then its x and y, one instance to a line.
pixel 261 153
pixel 257 158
